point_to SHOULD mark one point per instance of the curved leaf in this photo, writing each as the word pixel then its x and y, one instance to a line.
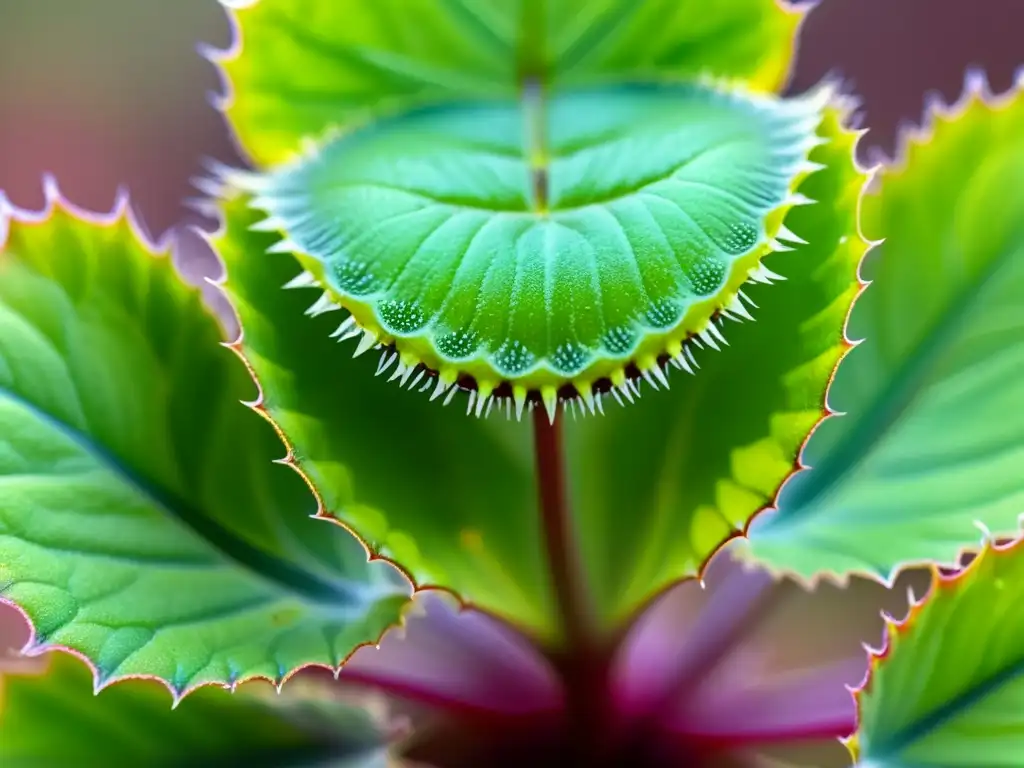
pixel 142 523
pixel 533 264
pixel 299 67
pixel 947 689
pixel 934 440
pixel 661 484
pixel 51 717
pixel 449 498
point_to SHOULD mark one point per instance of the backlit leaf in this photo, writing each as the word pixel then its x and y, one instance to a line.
pixel 50 716
pixel 142 523
pixel 933 443
pixel 661 484
pixel 300 67
pixel 947 690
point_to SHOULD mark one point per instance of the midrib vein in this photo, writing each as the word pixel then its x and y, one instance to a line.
pixel 532 68
pixel 892 401
pixel 295 580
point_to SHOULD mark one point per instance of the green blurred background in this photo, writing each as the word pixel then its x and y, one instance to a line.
pixel 104 92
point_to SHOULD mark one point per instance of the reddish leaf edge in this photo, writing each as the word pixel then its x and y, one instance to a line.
pixel 215 188
pixel 942 579
pixel 976 89
pixel 123 213
pixel 847 106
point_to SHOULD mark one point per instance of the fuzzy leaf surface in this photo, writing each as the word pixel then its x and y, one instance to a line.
pixel 661 484
pixel 142 523
pixel 934 440
pixel 447 496
pixel 132 724
pixel 300 67
pixel 481 249
pixel 947 691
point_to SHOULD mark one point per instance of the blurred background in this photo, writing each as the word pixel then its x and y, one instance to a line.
pixel 109 92
pixel 102 92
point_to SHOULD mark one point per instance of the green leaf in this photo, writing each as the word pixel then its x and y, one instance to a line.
pixel 142 523
pixel 299 67
pixel 604 244
pixel 934 440
pixel 661 484
pixel 450 498
pixel 947 690
pixel 51 717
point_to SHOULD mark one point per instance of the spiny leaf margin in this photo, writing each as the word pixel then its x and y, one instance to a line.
pixel 693 504
pixel 131 721
pixel 122 215
pixel 977 101
pixel 418 362
pixel 993 555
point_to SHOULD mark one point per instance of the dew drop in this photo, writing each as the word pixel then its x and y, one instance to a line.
pixel 707 276
pixel 353 277
pixel 619 341
pixel 570 357
pixel 402 316
pixel 458 345
pixel 663 314
pixel 513 357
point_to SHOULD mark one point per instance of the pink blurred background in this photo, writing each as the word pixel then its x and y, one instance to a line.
pixel 104 92
pixel 101 92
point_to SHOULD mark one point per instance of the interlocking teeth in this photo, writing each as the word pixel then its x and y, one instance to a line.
pixel 707 338
pixel 302 280
pixel 406 375
pixel 549 396
pixel 717 333
pixel 387 358
pixel 587 394
pixel 347 330
pixel 519 396
pixel 737 308
pixel 451 394
pixel 761 274
pixel 366 343
pixel 411 373
pixel 322 305
pixel 785 233
pixel 284 246
pixel 399 370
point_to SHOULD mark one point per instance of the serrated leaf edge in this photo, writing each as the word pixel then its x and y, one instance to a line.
pixel 864 176
pixel 975 94
pixel 123 213
pixel 417 365
pixel 290 460
pixel 895 629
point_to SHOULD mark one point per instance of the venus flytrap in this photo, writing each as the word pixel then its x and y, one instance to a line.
pixel 529 210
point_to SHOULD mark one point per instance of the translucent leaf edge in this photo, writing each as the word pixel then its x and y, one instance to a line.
pixel 237 345
pixel 122 213
pixel 863 179
pixel 896 629
pixel 418 365
pixel 976 94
